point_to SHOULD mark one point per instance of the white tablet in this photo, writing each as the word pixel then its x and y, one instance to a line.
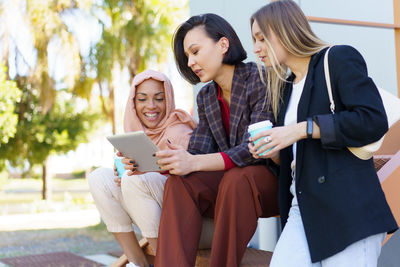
pixel 139 147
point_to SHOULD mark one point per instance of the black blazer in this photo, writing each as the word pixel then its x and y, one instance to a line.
pixel 339 195
pixel 248 105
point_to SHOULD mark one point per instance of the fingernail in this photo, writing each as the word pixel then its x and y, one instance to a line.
pixel 135 165
pixel 131 161
pixel 168 141
pixel 154 155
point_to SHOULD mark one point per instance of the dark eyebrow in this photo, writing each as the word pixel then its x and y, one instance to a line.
pixel 156 94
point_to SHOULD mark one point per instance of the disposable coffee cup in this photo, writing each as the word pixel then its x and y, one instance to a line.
pixel 258 127
pixel 119 165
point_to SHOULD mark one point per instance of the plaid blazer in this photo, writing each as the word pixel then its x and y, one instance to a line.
pixel 247 107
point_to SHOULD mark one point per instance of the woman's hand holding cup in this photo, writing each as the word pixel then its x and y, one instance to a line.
pixel 260 146
pixel 259 138
pixel 279 138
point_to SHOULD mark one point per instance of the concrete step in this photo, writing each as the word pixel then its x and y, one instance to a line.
pixel 252 258
pixel 104 259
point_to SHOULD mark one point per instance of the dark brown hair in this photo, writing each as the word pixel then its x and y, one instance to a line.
pixel 215 27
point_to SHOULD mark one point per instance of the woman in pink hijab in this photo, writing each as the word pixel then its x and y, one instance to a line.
pixel 137 197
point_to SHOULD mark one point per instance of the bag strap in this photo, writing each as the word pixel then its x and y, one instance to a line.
pixel 328 80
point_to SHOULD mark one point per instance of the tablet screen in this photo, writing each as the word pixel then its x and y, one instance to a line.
pixel 139 147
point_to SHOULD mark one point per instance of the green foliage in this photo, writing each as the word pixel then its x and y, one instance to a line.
pixel 44 19
pixel 60 130
pixel 9 95
pixel 140 33
pixel 50 120
pixel 79 174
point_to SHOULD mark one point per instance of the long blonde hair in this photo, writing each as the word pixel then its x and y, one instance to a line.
pixel 288 22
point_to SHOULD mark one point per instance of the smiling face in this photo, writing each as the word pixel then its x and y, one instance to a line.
pixel 204 54
pixel 261 46
pixel 150 102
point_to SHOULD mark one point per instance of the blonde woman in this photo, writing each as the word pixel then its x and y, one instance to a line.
pixel 137 197
pixel 332 208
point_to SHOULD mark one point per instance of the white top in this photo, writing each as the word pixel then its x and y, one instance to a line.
pixel 291 118
pixel 291 112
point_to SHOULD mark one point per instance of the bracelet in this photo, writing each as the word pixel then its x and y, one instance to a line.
pixel 309 127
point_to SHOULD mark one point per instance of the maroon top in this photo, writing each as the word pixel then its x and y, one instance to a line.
pixel 229 164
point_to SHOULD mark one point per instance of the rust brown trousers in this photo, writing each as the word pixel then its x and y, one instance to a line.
pixel 235 199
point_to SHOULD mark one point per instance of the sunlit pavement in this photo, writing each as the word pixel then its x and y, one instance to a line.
pixel 51 220
pixel 56 220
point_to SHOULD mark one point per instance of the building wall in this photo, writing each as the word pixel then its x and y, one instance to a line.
pixel 377 45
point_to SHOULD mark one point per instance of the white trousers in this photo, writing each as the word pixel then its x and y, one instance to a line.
pixel 138 200
pixel 292 248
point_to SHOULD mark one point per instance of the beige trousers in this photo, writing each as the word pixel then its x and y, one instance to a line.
pixel 137 201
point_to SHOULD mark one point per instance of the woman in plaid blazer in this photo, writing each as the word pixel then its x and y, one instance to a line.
pixel 216 177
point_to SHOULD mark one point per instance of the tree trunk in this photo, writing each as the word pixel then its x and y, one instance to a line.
pixel 46 191
pixel 112 110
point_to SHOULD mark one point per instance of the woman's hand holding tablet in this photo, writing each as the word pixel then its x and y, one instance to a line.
pixel 139 147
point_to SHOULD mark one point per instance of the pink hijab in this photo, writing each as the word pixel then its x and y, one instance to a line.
pixel 176 126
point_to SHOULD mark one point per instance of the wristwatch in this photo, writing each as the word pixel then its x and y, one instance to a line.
pixel 309 127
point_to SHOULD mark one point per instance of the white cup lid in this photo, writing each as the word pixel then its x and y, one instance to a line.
pixel 116 156
pixel 260 124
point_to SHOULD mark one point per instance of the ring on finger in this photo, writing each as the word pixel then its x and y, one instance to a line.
pixel 267 139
